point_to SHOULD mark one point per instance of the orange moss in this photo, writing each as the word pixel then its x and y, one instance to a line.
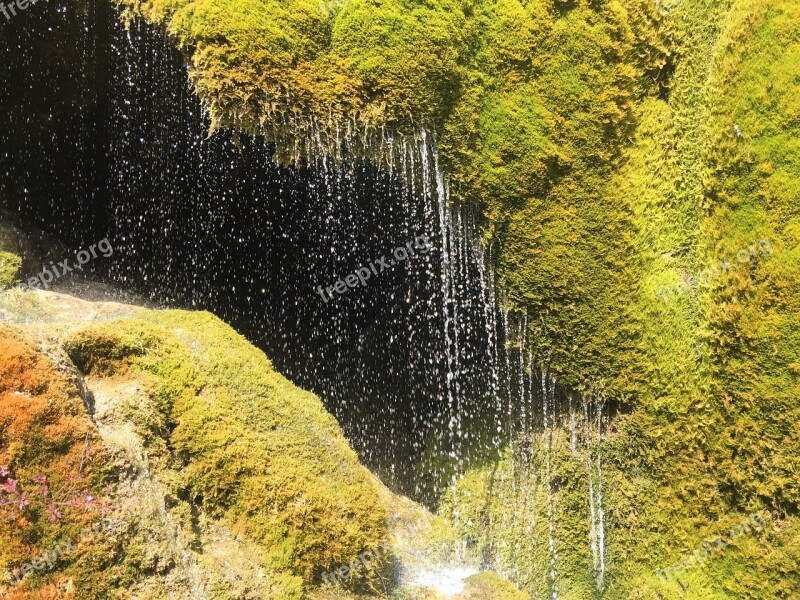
pixel 44 431
pixel 61 590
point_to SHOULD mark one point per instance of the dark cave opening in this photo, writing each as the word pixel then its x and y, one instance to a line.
pixel 114 144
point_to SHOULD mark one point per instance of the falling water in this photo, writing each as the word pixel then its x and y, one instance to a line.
pixel 250 227
pixel 445 376
pixel 407 363
pixel 601 531
pixel 595 478
pixel 593 537
pixel 573 424
pixel 549 415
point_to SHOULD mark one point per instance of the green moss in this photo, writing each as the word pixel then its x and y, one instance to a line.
pixel 490 586
pixel 99 351
pixel 10 265
pixel 502 510
pixel 282 68
pixel 245 445
pixel 752 314
pixel 710 377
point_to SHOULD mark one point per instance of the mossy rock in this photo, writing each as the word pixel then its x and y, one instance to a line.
pixel 243 444
pixel 51 453
pixel 283 68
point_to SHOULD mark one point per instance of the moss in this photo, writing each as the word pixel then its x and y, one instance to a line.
pixel 45 432
pixel 502 510
pixel 752 314
pixel 283 69
pixel 10 265
pixel 710 376
pixel 243 444
pixel 98 351
pixel 490 586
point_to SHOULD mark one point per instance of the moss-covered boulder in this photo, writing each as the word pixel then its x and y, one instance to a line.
pixel 221 479
pixel 238 442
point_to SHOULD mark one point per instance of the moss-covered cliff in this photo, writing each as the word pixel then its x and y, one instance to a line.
pixel 702 200
pixel 636 163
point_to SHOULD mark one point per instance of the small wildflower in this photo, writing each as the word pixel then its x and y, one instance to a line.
pixel 23 501
pixel 9 486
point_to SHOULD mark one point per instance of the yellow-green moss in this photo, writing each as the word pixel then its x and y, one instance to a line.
pixel 283 68
pixel 490 586
pixel 10 265
pixel 243 443
pixel 753 186
pixel 710 377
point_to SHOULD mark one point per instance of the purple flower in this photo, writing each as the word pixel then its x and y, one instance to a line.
pixel 9 486
pixel 23 501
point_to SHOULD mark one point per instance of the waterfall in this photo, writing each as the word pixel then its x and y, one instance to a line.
pixel 490 308
pixel 601 531
pixel 523 331
pixel 413 358
pixel 549 415
pixel 508 411
pixel 593 537
pixel 573 424
pixel 596 507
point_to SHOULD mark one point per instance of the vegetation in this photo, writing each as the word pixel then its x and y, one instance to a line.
pixel 490 586
pixel 236 441
pixel 227 445
pixel 54 477
pixel 708 379
pixel 10 265
pixel 616 148
pixel 286 68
